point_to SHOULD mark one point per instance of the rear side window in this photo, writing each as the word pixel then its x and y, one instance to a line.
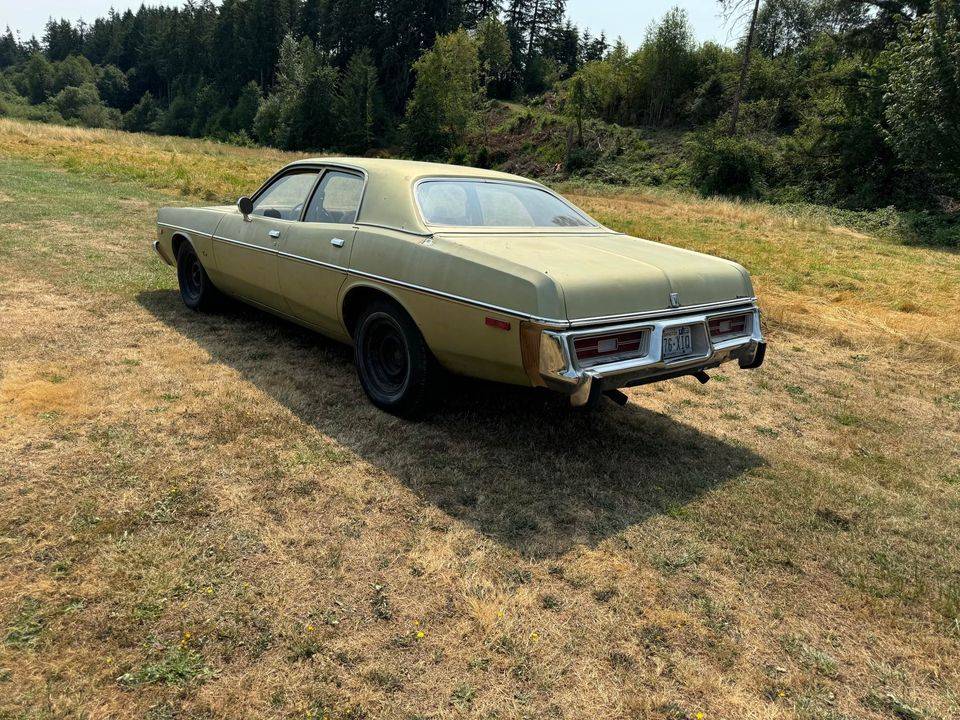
pixel 337 199
pixel 476 203
pixel 285 196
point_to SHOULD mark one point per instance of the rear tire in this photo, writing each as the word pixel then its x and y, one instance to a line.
pixel 196 290
pixel 396 369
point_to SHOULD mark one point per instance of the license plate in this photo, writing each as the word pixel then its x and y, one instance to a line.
pixel 677 342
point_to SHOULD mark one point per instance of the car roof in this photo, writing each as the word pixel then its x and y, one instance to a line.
pixel 388 196
pixel 413 168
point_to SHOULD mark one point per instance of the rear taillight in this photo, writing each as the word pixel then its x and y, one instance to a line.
pixel 729 326
pixel 613 346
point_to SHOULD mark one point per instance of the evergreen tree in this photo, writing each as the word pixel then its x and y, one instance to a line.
pixel 359 106
pixel 61 39
pixel 38 78
pixel 143 116
pixel 10 51
pixel 493 48
pixel 245 110
pixel 299 111
pixel 113 86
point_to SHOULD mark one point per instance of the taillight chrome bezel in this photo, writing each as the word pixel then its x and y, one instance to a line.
pixel 590 348
pixel 733 330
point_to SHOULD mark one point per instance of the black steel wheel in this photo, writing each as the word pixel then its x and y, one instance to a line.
pixel 197 291
pixel 395 366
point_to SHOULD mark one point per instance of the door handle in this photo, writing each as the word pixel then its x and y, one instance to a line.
pixel 337 242
pixel 274 233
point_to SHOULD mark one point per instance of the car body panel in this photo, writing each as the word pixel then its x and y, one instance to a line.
pixel 474 293
pixel 312 270
pixel 245 258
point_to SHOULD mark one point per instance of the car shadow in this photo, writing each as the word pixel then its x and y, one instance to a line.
pixel 517 464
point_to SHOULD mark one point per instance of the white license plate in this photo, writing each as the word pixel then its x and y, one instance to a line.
pixel 677 342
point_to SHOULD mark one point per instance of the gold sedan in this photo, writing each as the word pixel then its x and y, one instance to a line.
pixel 424 267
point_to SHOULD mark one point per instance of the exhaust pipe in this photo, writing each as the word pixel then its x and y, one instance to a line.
pixel 618 397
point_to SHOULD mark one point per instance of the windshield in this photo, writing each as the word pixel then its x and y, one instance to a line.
pixel 478 203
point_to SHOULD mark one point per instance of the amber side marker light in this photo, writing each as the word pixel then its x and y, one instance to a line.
pixel 493 322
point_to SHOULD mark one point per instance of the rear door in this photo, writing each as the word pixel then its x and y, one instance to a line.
pixel 315 253
pixel 246 249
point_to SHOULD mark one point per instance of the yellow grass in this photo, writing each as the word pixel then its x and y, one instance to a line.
pixel 201 516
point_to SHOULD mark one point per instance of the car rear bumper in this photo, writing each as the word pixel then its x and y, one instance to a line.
pixel 560 370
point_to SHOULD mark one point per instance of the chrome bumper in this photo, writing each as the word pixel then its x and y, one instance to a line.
pixel 561 371
pixel 159 251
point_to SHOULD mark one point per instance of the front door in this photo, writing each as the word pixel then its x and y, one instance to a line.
pixel 315 253
pixel 246 249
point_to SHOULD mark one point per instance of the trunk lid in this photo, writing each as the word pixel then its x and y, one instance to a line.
pixel 606 273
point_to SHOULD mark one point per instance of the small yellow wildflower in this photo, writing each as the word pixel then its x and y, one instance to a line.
pixel 420 634
pixel 209 591
pixel 699 716
pixel 534 636
pixel 309 628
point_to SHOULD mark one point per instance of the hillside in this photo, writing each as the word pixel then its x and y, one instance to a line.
pixel 200 514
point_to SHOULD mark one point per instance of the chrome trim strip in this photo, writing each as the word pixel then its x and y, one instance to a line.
pixel 656 314
pixel 185 229
pixel 311 261
pixel 593 224
pixel 451 296
pixel 397 229
pixel 320 165
pixel 747 302
pixel 249 246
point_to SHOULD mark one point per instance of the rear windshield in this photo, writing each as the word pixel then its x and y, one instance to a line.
pixel 477 203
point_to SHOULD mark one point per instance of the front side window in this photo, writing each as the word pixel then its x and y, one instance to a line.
pixel 475 203
pixel 337 199
pixel 285 197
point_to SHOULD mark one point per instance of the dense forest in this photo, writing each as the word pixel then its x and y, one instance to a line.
pixel 852 103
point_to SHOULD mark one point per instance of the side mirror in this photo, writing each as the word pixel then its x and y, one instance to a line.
pixel 246 206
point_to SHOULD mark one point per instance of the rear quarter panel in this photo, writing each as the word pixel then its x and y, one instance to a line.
pixel 455 330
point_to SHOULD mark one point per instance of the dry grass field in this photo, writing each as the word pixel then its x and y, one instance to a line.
pixel 201 516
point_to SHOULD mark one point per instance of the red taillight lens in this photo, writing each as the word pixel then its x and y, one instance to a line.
pixel 602 346
pixel 729 326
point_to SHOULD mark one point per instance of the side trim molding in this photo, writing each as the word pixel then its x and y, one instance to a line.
pixel 552 322
pixel 248 246
pixel 185 229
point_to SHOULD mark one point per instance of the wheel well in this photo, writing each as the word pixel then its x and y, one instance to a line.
pixel 175 243
pixel 357 299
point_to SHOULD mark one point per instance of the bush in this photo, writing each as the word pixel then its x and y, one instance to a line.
pixel 71 100
pixel 142 116
pixel 719 164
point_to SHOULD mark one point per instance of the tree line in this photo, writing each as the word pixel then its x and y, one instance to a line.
pixel 850 102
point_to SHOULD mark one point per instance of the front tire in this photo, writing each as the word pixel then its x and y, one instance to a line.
pixel 196 290
pixel 395 366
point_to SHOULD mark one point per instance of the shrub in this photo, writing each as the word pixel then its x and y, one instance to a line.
pixel 142 116
pixel 719 164
pixel 83 104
